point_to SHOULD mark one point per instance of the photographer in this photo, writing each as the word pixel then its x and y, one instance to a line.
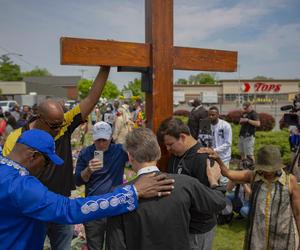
pixel 292 122
pixel 249 121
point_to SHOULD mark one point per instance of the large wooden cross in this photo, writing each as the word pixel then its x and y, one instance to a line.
pixel 157 58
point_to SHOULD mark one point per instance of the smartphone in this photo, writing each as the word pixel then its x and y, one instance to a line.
pixel 98 155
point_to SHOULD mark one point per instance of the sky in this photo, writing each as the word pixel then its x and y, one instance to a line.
pixel 266 33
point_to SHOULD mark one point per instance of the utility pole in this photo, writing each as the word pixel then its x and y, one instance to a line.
pixel 82 73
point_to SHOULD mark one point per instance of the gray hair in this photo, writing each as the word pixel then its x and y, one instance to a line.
pixel 142 145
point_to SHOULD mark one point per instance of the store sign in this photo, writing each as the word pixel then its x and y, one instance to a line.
pixel 261 87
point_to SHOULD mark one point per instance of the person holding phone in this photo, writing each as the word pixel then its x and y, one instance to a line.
pixel 100 167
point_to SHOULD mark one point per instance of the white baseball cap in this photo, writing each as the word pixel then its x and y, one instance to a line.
pixel 102 130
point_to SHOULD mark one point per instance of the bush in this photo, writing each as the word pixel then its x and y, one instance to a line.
pixel 267 122
pixel 278 138
pixel 234 116
pixel 182 112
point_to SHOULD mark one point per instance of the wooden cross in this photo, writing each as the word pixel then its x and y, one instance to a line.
pixel 157 58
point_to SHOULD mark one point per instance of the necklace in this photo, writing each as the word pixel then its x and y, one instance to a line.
pixel 177 168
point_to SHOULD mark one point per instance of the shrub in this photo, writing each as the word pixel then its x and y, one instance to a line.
pixel 278 138
pixel 234 116
pixel 182 112
pixel 267 122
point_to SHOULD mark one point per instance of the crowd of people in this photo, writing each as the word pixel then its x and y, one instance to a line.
pixel 174 210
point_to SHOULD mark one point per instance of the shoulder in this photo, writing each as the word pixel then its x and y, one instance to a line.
pixel 11 141
pixel 225 123
pixel 69 115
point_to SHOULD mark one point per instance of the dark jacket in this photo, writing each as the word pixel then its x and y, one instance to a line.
pixel 198 113
pixel 163 223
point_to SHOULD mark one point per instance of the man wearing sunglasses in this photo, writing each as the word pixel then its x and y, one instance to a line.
pixel 51 118
pixel 25 203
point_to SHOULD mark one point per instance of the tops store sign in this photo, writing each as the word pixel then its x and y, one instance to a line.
pixel 261 87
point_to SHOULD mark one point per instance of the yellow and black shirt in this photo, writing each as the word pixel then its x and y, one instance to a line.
pixel 58 179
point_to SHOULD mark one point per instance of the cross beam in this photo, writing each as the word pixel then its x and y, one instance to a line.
pixel 92 52
pixel 158 54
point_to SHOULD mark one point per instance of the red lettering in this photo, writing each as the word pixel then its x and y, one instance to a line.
pixel 260 86
pixel 265 87
pixel 257 86
pixel 277 88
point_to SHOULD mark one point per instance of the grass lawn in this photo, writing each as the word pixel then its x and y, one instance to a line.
pixel 230 236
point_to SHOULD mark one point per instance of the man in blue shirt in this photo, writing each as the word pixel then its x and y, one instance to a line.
pixel 25 203
pixel 100 177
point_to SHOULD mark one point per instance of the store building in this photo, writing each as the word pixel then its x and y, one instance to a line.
pixel 233 91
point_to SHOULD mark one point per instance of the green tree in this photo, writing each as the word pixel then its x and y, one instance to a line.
pixel 8 70
pixel 182 81
pixel 135 87
pixel 110 91
pixel 37 72
pixel 262 78
pixel 84 86
pixel 202 78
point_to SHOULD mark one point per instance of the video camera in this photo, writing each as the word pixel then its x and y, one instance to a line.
pixel 292 118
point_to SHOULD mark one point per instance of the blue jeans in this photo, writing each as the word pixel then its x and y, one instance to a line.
pixel 60 236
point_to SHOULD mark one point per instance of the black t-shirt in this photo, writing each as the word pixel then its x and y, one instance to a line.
pixel 247 129
pixel 59 179
pixel 194 165
pixel 197 114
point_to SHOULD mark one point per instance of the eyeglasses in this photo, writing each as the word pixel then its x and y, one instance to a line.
pixel 53 125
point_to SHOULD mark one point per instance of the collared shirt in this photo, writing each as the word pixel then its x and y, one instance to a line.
pixel 25 204
pixel 280 178
pixel 222 140
pixel 147 170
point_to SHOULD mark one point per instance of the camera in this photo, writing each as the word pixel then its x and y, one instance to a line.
pixel 292 118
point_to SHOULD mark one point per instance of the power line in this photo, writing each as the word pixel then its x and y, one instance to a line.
pixel 17 55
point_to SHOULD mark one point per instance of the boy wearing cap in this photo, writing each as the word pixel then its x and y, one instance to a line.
pixel 249 122
pixel 25 203
pixel 275 203
pixel 100 177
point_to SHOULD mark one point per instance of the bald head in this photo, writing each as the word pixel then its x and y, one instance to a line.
pixel 50 107
pixel 50 116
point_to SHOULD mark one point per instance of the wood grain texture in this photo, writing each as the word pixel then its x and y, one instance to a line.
pixel 205 59
pixel 159 33
pixel 77 51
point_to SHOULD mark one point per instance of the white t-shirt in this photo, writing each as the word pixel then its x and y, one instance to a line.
pixel 222 139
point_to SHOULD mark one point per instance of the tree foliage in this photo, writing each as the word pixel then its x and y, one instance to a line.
pixel 84 86
pixel 37 72
pixel 262 78
pixel 110 91
pixel 8 70
pixel 201 78
pixel 182 81
pixel 135 87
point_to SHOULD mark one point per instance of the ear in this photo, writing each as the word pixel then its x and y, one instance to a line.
pixel 182 136
pixel 130 157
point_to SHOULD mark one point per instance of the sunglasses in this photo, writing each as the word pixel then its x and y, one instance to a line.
pixel 53 125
